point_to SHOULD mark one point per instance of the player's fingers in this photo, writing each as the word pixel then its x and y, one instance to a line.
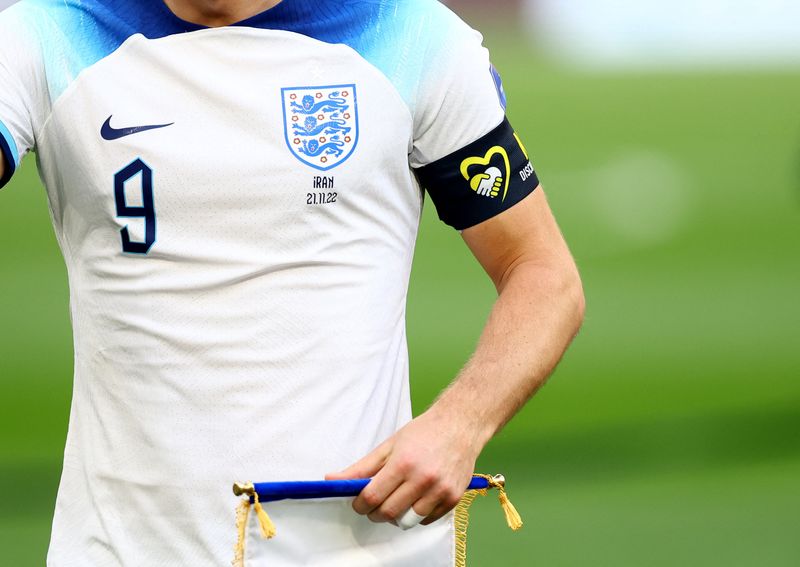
pixel 377 491
pixel 396 504
pixel 437 507
pixel 409 520
pixel 438 513
pixel 420 510
pixel 366 467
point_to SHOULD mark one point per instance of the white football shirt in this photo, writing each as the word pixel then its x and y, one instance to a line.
pixel 237 210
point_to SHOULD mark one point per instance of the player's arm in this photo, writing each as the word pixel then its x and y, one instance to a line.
pixel 22 88
pixel 539 309
pixel 478 174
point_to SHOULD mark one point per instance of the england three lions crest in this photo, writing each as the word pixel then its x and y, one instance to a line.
pixel 321 124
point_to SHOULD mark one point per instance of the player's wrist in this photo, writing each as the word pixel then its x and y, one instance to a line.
pixel 469 430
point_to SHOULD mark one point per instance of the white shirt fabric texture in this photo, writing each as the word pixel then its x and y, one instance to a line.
pixel 238 302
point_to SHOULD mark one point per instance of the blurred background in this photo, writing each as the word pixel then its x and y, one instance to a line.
pixel 667 136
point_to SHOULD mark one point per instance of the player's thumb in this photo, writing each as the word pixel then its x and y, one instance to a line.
pixel 366 467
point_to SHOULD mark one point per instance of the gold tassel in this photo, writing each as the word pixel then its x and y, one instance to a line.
pixel 461 521
pixel 462 514
pixel 264 521
pixel 242 513
pixel 513 518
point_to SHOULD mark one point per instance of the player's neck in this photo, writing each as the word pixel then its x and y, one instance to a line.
pixel 216 13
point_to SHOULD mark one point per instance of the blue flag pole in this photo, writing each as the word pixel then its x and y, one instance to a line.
pixel 308 489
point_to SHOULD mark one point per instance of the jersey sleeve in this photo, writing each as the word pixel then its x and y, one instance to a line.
pixel 20 89
pixel 465 153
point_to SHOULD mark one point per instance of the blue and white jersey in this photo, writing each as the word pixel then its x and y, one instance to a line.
pixel 237 208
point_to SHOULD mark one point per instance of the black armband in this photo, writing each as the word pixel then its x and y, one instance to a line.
pixel 480 180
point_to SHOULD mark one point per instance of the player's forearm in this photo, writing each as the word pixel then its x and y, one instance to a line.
pixel 538 312
pixel 427 464
pixel 2 165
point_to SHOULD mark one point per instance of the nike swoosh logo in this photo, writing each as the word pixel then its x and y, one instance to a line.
pixel 110 133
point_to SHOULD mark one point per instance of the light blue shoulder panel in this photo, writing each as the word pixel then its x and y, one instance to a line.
pixel 396 36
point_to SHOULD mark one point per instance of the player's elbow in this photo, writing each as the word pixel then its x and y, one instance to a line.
pixel 559 284
pixel 567 286
pixel 577 299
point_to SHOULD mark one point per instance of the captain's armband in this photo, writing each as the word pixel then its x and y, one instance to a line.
pixel 480 180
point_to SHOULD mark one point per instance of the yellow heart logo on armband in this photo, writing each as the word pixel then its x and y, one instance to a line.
pixel 492 179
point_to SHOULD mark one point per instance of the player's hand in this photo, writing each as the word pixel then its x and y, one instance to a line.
pixel 427 465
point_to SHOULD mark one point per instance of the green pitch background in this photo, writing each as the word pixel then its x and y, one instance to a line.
pixel 670 435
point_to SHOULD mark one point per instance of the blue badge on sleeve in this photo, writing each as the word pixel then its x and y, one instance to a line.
pixel 498 83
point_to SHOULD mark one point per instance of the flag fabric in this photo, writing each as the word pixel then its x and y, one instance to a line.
pixel 256 493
